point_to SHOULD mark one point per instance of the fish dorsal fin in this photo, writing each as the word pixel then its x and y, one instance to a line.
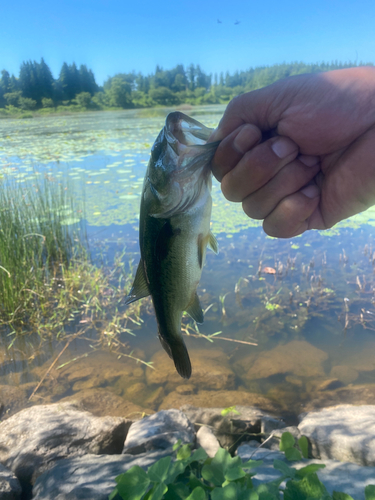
pixel 139 289
pixel 195 310
pixel 213 244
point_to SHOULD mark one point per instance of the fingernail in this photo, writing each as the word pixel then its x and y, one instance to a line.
pixel 309 161
pixel 311 191
pixel 284 147
pixel 244 139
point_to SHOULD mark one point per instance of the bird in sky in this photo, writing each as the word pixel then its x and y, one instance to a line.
pixel 219 21
pixel 237 22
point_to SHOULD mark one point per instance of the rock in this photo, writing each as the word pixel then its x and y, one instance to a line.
pixel 91 477
pixel 345 433
pixel 233 428
pixel 185 389
pixel 210 370
pixel 336 476
pixel 10 488
pixel 222 399
pixel 274 442
pixel 35 438
pixel 102 402
pixel 158 432
pixel 155 398
pixel 329 384
pixel 294 381
pixel 356 395
pixel 12 400
pixel 346 374
pixel 207 440
pixel 297 357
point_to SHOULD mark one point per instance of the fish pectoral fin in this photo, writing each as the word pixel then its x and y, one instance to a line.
pixel 139 289
pixel 194 309
pixel 213 244
pixel 178 352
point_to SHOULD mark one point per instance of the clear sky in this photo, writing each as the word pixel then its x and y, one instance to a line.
pixel 113 36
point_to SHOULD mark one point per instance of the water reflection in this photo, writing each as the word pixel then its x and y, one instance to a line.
pixel 297 323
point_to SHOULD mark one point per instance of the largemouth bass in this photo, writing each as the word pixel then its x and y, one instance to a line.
pixel 174 229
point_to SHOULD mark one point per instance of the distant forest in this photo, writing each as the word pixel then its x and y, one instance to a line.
pixel 76 88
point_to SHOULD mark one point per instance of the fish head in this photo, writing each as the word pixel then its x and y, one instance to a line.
pixel 179 171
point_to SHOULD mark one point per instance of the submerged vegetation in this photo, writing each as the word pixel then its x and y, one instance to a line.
pixel 35 89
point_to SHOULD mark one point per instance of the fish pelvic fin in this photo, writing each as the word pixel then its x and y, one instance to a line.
pixel 213 244
pixel 178 352
pixel 195 310
pixel 139 289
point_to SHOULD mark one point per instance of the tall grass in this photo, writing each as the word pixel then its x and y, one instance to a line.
pixel 36 242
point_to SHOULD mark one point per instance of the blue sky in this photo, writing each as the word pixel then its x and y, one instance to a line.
pixel 113 36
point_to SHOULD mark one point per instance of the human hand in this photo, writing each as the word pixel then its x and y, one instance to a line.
pixel 300 153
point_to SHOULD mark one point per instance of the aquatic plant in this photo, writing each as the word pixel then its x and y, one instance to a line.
pixel 195 476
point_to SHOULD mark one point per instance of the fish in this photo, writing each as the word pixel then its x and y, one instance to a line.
pixel 174 229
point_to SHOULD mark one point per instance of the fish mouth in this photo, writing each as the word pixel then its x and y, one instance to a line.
pixel 186 130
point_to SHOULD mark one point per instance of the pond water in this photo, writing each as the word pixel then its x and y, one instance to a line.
pixel 289 324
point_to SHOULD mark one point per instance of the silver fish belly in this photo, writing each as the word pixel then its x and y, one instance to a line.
pixel 174 229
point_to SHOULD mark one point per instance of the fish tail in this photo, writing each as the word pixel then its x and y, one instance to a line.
pixel 178 352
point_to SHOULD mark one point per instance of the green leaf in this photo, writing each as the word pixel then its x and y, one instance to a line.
pixel 177 445
pixel 268 491
pixel 337 495
pixel 177 491
pixel 303 443
pixel 287 441
pixel 197 494
pixel 308 488
pixel 284 468
pixel 234 473
pixel 175 469
pixel 158 472
pixel 214 471
pixel 230 409
pixel 309 469
pixel 113 494
pixel 199 455
pixel 229 492
pixel 184 452
pixel 133 484
pixel 158 491
pixel 250 464
pixel 370 492
pixel 292 454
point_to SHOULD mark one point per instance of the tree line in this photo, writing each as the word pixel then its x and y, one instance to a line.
pixel 36 87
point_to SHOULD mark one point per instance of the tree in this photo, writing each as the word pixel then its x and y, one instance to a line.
pixel 119 92
pixel 83 99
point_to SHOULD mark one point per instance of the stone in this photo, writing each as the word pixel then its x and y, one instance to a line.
pixel 330 384
pixel 10 487
pixel 346 374
pixel 355 394
pixel 211 370
pixel 336 476
pixel 298 357
pixel 185 389
pixel 273 443
pixel 155 398
pixel 233 428
pixel 207 440
pixel 102 402
pixel 345 433
pixel 12 400
pixel 223 399
pixel 158 432
pixel 35 438
pixel 91 477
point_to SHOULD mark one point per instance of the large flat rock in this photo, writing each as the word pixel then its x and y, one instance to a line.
pixel 344 432
pixel 35 438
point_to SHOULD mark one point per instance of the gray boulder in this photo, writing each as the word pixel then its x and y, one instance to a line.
pixel 91 477
pixel 345 433
pixel 158 432
pixel 35 438
pixel 10 488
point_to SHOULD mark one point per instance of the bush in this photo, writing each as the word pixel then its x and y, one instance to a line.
pixel 26 103
pixel 83 99
pixel 47 103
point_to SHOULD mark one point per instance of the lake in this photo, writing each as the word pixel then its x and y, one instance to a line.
pixel 289 324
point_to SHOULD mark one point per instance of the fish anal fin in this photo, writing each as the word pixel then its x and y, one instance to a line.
pixel 178 352
pixel 213 244
pixel 139 289
pixel 195 310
